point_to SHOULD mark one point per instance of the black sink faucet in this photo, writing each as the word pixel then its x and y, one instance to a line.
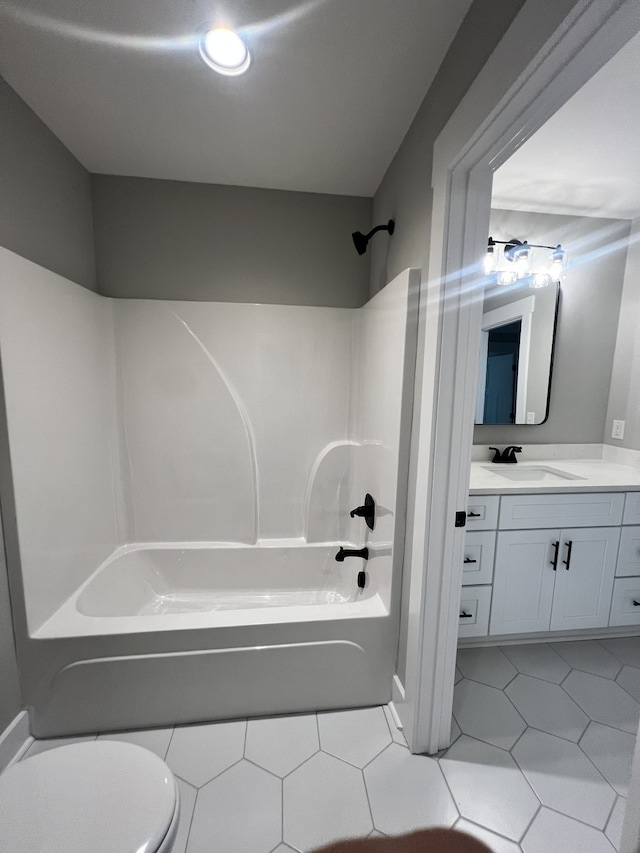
pixel 346 552
pixel 507 455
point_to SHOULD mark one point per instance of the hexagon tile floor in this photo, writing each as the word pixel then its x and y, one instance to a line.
pixel 540 762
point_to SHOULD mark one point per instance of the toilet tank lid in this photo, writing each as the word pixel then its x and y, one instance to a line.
pixel 103 796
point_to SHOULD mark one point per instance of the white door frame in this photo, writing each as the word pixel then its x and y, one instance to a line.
pixel 549 60
pixel 521 310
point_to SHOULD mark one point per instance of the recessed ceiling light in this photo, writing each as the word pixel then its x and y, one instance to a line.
pixel 224 51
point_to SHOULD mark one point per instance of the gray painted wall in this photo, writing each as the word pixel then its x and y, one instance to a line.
pixel 587 324
pixel 624 399
pixel 45 216
pixel 176 240
pixel 405 192
pixel 45 195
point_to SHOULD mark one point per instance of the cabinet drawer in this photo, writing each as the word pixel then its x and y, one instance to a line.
pixel 624 611
pixel 632 508
pixel 629 553
pixel 482 512
pixel 479 550
pixel 525 512
pixel 474 611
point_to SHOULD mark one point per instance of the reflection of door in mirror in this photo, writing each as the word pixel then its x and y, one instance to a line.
pixel 504 360
pixel 522 323
pixel 502 373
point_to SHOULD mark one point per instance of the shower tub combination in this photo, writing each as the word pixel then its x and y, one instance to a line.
pixel 169 423
pixel 180 632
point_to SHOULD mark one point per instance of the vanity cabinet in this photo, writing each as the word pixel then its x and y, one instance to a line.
pixel 553 580
pixel 477 568
pixel 551 562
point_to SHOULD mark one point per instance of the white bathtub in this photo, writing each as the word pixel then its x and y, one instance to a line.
pixel 173 632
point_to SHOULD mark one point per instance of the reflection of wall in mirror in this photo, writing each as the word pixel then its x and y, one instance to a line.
pixel 587 325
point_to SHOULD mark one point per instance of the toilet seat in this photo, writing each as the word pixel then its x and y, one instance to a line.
pixel 98 797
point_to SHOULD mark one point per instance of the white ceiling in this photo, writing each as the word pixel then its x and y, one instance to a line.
pixel 586 159
pixel 330 94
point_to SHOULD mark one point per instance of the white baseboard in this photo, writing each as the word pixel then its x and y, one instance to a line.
pixel 14 740
pixel 396 718
pixel 397 691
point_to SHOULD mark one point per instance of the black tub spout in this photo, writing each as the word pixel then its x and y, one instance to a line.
pixel 349 552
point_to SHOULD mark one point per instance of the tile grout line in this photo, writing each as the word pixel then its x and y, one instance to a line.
pixel 492 831
pixel 624 688
pixel 173 731
pixel 554 734
pixel 530 824
pixel 195 803
pixel 598 771
pixel 446 782
pixel 281 812
pixel 615 802
pixel 577 819
pixel 366 791
pixel 302 763
pixel 518 741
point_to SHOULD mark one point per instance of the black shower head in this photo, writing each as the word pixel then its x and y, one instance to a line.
pixel 360 241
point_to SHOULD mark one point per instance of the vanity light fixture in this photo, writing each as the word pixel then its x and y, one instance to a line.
pixel 520 261
pixel 223 50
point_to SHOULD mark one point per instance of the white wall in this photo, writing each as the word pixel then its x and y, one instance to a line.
pixel 56 347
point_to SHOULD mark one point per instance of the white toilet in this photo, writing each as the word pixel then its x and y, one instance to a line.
pixel 98 797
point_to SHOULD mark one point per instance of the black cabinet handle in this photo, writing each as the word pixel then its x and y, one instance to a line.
pixel 569 545
pixel 554 562
pixel 474 514
pixel 636 603
pixel 469 560
pixel 465 615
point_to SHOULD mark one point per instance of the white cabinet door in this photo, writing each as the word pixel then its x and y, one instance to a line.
pixel 584 579
pixel 523 581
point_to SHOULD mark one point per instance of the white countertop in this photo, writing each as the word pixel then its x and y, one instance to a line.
pixel 597 475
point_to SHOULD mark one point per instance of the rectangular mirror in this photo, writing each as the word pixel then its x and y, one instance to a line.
pixel 516 354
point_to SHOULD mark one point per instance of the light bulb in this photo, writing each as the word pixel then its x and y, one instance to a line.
pixel 522 260
pixel 540 279
pixel 490 259
pixel 224 51
pixel 557 264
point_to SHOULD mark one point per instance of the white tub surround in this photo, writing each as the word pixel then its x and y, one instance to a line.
pixel 58 366
pixel 183 476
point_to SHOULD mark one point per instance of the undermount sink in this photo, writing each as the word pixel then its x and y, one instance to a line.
pixel 530 473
